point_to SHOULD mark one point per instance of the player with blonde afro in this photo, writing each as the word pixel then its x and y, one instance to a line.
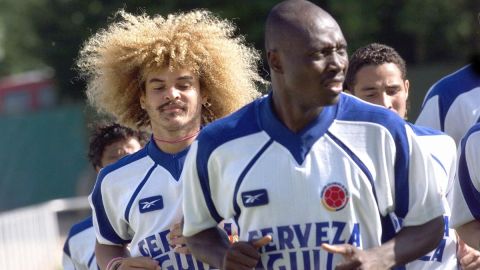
pixel 169 76
pixel 116 60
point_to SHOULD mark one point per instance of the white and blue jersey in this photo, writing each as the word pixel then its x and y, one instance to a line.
pixel 136 200
pixel 443 152
pixel 336 181
pixel 466 198
pixel 452 105
pixel 79 248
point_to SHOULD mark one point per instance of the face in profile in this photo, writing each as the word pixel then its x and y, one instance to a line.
pixel 383 85
pixel 119 149
pixel 172 99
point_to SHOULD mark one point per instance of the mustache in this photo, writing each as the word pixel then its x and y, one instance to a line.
pixel 172 102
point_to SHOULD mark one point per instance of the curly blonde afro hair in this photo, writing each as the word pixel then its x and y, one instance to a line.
pixel 116 60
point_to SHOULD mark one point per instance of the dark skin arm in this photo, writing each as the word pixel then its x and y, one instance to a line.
pixel 409 244
pixel 212 246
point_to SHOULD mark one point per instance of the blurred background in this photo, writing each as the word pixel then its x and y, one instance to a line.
pixel 44 118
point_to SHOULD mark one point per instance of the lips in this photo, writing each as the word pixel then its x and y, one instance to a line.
pixel 334 84
pixel 171 108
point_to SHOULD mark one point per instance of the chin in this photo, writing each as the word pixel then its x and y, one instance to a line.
pixel 332 100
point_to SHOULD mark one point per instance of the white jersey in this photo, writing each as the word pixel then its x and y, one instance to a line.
pixel 466 197
pixel 79 248
pixel 452 105
pixel 443 151
pixel 335 182
pixel 136 200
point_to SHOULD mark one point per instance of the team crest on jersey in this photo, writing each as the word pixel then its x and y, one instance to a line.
pixel 334 196
pixel 150 204
pixel 255 197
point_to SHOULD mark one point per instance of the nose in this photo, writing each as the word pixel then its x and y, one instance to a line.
pixel 336 62
pixel 386 101
pixel 172 93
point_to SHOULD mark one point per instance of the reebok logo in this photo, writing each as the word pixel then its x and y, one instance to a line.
pixel 150 204
pixel 255 197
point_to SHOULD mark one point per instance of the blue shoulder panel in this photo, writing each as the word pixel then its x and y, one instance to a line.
pixel 470 193
pixel 76 229
pixel 450 87
pixel 238 124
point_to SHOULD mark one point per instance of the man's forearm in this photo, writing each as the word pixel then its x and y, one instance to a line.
pixel 470 234
pixel 412 242
pixel 104 253
pixel 209 246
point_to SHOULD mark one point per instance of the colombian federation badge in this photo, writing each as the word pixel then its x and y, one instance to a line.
pixel 334 196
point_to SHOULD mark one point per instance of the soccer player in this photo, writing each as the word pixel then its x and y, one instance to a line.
pixel 168 75
pixel 108 143
pixel 452 104
pixel 378 74
pixel 317 170
pixel 466 197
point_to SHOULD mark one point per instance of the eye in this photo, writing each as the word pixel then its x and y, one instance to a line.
pixel 393 91
pixel 184 86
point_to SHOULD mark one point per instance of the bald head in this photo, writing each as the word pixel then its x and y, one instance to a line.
pixel 292 18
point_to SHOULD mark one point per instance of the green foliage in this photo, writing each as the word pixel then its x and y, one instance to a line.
pixel 35 33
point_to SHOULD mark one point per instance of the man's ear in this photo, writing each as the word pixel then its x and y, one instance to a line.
pixel 142 100
pixel 274 61
pixel 407 87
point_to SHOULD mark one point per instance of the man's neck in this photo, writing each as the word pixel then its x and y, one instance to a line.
pixel 175 141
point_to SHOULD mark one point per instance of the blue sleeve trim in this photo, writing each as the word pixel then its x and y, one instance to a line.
pixel 106 229
pixel 470 193
pixel 137 190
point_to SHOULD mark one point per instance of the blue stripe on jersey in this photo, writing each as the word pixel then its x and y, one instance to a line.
pixel 91 259
pixel 450 87
pixel 298 143
pixel 354 109
pixel 76 229
pixel 388 230
pixel 470 193
pixel 105 227
pixel 439 163
pixel 239 124
pixel 137 190
pixel 236 207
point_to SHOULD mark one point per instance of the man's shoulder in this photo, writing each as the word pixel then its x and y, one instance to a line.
pixel 81 226
pixel 356 110
pixel 238 124
pixel 474 130
pixel 125 163
pixel 456 83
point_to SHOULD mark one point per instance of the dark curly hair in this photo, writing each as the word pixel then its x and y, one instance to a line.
pixel 105 134
pixel 372 54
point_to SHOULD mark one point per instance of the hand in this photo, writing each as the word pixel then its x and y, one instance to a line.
pixel 244 255
pixel 137 263
pixel 468 257
pixel 356 258
pixel 176 240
